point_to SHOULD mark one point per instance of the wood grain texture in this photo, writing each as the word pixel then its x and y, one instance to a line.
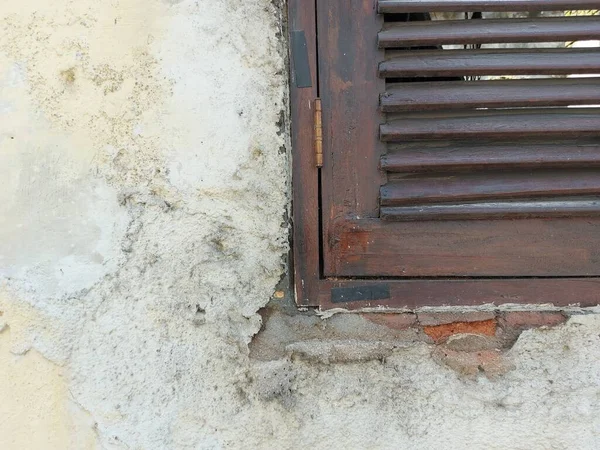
pixel 460 156
pixel 424 96
pixel 551 29
pixel 559 123
pixel 349 91
pixel 301 16
pixel 359 247
pixel 488 186
pixel 444 63
pixel 494 210
pixel 468 248
pixel 412 294
pixel 407 6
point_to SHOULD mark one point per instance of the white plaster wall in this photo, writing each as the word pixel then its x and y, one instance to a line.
pixel 145 181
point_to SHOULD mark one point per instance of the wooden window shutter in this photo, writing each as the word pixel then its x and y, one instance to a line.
pixel 461 153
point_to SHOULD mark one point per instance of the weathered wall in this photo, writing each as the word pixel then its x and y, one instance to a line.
pixel 145 179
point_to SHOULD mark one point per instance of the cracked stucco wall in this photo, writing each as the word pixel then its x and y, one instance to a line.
pixel 145 188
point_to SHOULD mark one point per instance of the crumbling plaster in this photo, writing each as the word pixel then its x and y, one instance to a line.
pixel 144 159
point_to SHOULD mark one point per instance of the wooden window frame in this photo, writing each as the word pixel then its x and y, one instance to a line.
pixel 312 289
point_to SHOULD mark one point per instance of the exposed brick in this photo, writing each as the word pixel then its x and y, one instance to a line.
pixel 441 318
pixel 531 319
pixel 492 363
pixel 440 333
pixel 400 321
pixel 467 342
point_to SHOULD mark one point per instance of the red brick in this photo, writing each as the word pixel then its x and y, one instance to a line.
pixel 395 321
pixel 440 333
pixel 441 318
pixel 531 319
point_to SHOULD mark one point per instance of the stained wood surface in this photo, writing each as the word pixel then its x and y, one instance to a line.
pixel 444 63
pixel 506 124
pixel 551 29
pixel 490 94
pixel 412 294
pixel 494 210
pixel 468 248
pixel 486 186
pixel 301 17
pixel 356 243
pixel 405 6
pixel 463 156
pixel 349 90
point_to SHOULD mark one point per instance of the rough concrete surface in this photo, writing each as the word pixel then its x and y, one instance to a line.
pixel 144 160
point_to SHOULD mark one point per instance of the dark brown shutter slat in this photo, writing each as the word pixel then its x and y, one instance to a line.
pixel 494 210
pixel 506 124
pixel 465 156
pixel 553 29
pixel 555 61
pixel 404 6
pixel 491 94
pixel 486 186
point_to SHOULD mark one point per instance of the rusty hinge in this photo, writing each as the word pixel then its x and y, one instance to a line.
pixel 318 125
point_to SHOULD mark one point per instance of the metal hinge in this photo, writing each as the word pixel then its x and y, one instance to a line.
pixel 318 126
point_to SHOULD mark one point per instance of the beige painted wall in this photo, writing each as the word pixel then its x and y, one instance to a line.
pixel 145 180
pixel 36 410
